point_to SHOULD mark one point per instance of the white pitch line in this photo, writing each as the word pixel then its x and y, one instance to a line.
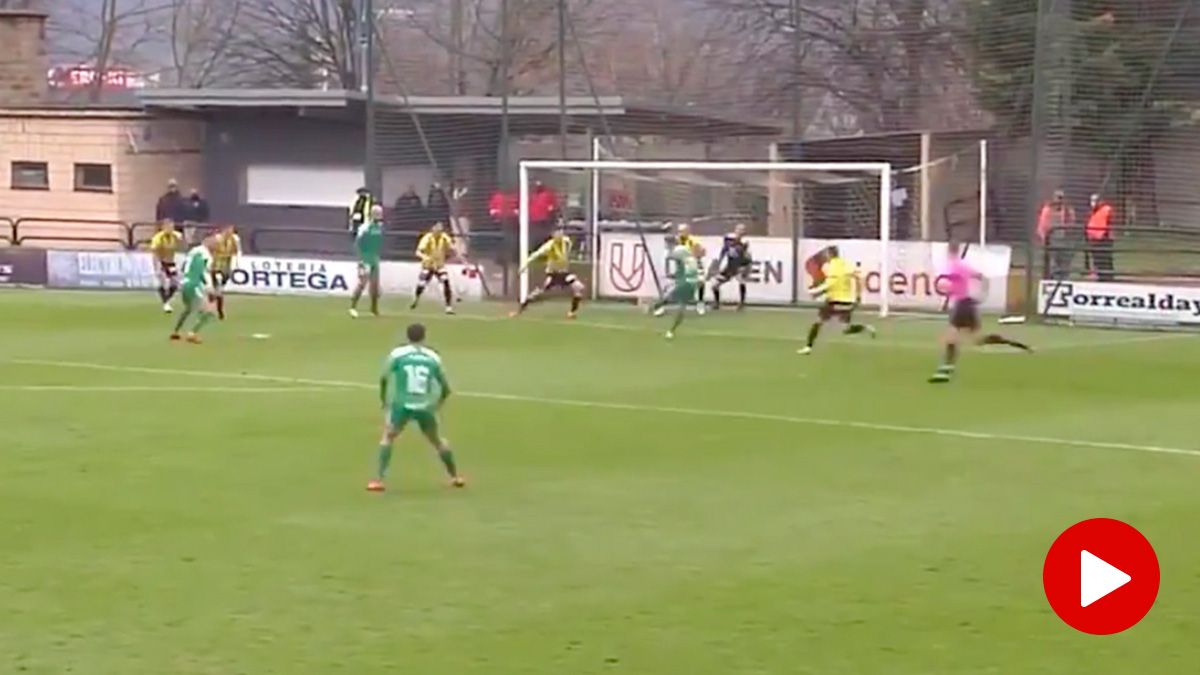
pixel 188 373
pixel 863 341
pixel 604 405
pixel 69 388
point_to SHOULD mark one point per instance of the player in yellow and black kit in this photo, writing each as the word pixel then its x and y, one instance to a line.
pixel 557 254
pixel 164 245
pixel 842 286
pixel 434 249
pixel 226 247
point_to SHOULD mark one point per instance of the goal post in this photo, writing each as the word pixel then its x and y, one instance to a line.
pixel 684 194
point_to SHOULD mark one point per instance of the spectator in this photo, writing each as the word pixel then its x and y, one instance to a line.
pixel 437 205
pixel 171 205
pixel 408 213
pixel 502 208
pixel 1099 258
pixel 195 209
pixel 1055 228
pixel 543 212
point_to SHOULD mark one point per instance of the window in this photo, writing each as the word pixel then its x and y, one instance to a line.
pixel 93 178
pixel 30 176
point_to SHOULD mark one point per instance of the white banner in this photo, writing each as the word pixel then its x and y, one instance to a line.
pixel 625 266
pixel 400 278
pixel 305 276
pixel 625 269
pixel 914 269
pixel 264 275
pixel 1135 303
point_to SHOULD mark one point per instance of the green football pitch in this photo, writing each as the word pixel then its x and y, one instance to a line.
pixel 713 505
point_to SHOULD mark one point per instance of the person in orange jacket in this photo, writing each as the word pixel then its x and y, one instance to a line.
pixel 1099 235
pixel 1055 223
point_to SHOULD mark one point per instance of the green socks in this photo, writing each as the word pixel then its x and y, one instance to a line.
pixel 447 458
pixel 678 317
pixel 204 318
pixel 385 458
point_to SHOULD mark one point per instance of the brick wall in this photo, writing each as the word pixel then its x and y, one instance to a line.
pixel 22 57
pixel 143 151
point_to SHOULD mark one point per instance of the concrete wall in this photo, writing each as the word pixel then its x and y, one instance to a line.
pixel 236 141
pixel 461 153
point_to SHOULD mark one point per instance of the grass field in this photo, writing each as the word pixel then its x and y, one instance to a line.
pixel 716 505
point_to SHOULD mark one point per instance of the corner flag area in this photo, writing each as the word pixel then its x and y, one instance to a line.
pixel 711 505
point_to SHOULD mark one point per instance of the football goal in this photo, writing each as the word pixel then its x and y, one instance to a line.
pixel 624 215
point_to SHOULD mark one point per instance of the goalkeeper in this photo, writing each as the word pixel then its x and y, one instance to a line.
pixel 842 286
pixel 733 263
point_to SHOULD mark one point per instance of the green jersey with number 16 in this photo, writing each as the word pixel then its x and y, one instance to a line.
pixel 416 376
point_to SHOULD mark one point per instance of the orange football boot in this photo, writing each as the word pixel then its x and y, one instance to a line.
pixel 375 486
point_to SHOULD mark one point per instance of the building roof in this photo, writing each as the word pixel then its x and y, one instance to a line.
pixel 530 114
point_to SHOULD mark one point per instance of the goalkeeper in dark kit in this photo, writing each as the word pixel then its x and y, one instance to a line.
pixel 733 263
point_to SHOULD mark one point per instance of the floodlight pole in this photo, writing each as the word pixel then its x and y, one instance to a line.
pixel 502 160
pixel 371 174
pixel 562 78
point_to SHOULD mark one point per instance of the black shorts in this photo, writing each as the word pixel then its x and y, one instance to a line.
pixel 219 278
pixel 964 314
pixel 427 275
pixel 733 271
pixel 169 270
pixel 841 310
pixel 560 280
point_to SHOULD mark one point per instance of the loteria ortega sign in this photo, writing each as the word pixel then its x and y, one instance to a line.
pixel 914 280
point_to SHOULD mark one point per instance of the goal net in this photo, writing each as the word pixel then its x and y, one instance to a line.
pixel 624 215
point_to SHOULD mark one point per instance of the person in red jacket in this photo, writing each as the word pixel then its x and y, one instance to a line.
pixel 543 212
pixel 502 209
pixel 1100 239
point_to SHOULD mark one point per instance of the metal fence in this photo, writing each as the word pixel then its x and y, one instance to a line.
pixel 1079 96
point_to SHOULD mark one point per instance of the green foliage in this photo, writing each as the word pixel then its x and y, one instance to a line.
pixel 1111 78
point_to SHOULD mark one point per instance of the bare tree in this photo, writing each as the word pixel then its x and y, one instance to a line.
pixel 294 43
pixel 201 35
pixel 871 61
pixel 673 52
pixel 105 34
pixel 468 36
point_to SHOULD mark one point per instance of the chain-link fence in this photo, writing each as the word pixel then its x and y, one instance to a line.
pixel 1071 99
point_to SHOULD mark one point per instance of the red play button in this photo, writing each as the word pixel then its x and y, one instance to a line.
pixel 1101 576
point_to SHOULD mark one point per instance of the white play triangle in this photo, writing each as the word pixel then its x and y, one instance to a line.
pixel 1097 578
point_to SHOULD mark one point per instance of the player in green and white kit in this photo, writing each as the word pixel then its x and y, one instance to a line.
pixel 686 286
pixel 368 243
pixel 195 290
pixel 412 388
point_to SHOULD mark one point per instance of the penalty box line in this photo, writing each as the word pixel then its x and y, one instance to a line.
pixel 605 405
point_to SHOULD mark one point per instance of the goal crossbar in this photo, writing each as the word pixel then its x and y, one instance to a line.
pixel 882 169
